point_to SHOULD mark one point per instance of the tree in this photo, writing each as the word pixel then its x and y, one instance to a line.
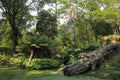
pixel 46 24
pixel 5 31
pixel 38 46
pixel 14 12
pixel 103 16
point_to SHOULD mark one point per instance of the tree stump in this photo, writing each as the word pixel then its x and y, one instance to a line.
pixel 91 60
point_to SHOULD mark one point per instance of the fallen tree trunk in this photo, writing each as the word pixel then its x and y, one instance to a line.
pixel 91 60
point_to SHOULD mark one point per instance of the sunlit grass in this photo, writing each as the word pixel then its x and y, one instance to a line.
pixel 42 72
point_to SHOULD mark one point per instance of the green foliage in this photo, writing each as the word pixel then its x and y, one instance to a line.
pixel 14 61
pixel 17 60
pixel 42 64
pixel 18 10
pixel 111 39
pixel 112 64
pixel 46 24
pixel 94 18
pixel 89 47
pixel 5 38
pixel 4 49
pixel 103 28
pixel 4 60
pixel 68 55
pixel 74 54
pixel 40 44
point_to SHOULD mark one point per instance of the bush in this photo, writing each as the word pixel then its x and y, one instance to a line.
pixel 18 60
pixel 90 47
pixel 42 64
pixel 4 60
pixel 111 39
pixel 68 55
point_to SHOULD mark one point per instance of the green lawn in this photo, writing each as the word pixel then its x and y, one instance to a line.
pixel 18 74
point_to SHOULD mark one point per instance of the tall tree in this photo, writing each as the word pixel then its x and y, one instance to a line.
pixel 14 11
pixel 46 19
pixel 46 24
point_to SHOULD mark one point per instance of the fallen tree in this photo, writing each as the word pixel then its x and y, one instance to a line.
pixel 91 60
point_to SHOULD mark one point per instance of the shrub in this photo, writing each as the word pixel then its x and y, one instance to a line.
pixel 111 39
pixel 90 47
pixel 68 55
pixel 20 55
pixel 17 60
pixel 42 64
pixel 4 60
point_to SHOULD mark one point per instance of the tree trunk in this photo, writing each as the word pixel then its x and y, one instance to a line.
pixel 15 35
pixel 31 55
pixel 91 60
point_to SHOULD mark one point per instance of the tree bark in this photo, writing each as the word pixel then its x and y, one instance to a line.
pixel 31 55
pixel 91 60
pixel 14 37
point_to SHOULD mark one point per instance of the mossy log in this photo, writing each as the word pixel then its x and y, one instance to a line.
pixel 91 60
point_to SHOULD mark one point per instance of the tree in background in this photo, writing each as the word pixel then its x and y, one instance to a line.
pixel 95 18
pixel 14 12
pixel 46 24
pixel 38 46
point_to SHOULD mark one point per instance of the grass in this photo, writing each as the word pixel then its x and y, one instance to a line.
pixel 108 74
pixel 18 74
pixel 109 71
